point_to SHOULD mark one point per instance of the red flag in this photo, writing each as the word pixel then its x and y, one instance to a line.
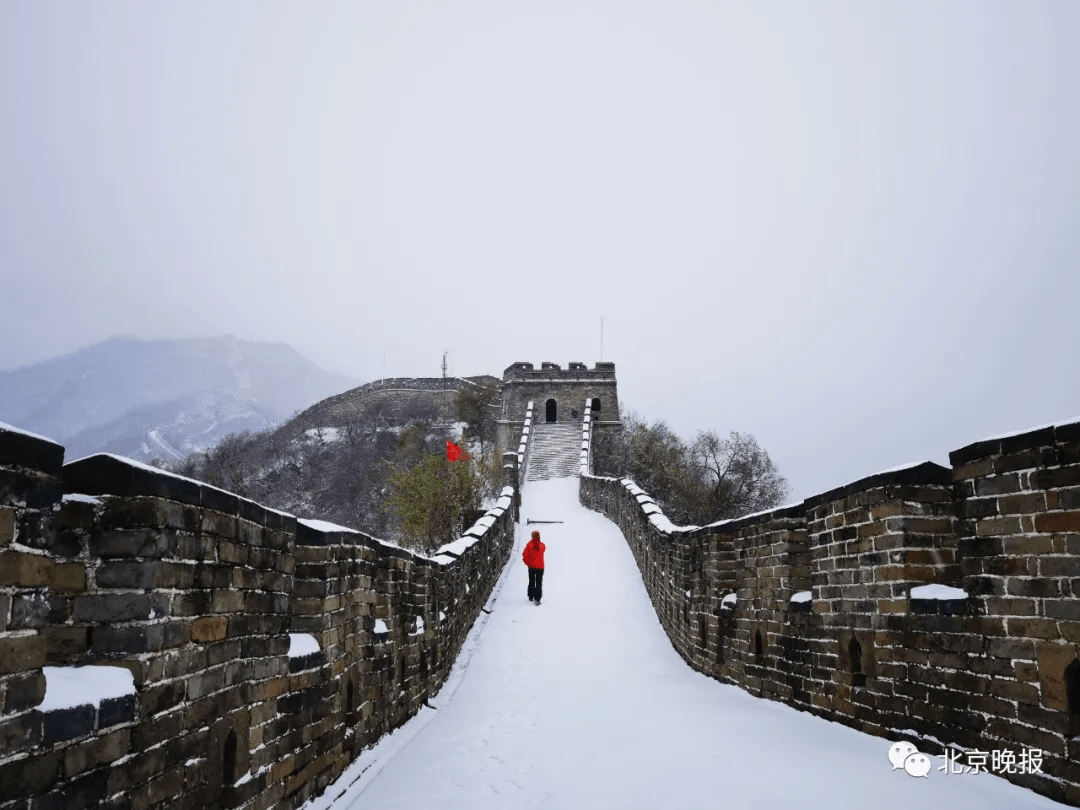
pixel 453 452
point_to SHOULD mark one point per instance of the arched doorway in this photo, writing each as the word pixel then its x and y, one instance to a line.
pixel 596 405
pixel 551 411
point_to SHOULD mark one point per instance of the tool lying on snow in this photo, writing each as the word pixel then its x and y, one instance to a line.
pixel 530 522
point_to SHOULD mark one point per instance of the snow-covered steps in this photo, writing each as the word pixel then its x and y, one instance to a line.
pixel 555 451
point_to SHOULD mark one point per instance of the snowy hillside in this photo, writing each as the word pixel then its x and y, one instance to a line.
pixel 163 399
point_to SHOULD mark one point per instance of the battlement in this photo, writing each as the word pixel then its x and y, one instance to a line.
pixel 526 372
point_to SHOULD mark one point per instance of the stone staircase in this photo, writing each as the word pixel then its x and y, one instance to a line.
pixel 554 451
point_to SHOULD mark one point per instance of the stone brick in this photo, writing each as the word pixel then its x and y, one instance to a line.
pixel 113 607
pixel 29 611
pixel 133 543
pixel 69 577
pixel 1058 522
pixel 20 733
pixel 66 643
pixel 108 639
pixel 1033 628
pixel 997 485
pixel 25 570
pixel 21 654
pixel 209 628
pixel 127 574
pixel 7 526
pixel 68 724
pixel 997 525
pixel 29 777
pixel 132 513
pixel 101 750
pixel 24 692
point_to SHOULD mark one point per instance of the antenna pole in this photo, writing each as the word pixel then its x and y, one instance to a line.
pixel 444 365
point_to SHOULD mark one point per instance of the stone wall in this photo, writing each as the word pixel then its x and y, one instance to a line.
pixel 196 591
pixel 990 667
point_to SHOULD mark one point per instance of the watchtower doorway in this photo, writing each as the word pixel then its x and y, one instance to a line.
pixel 596 405
pixel 551 411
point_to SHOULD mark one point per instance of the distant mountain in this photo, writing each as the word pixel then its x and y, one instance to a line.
pixel 162 398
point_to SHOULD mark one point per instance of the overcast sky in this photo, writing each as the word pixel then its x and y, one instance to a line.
pixel 849 228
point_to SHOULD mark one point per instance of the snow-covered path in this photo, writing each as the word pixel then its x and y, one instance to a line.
pixel 583 703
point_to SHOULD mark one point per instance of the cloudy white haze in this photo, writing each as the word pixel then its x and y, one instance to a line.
pixel 849 228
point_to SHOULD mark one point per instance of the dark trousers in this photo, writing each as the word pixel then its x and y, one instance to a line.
pixel 536 583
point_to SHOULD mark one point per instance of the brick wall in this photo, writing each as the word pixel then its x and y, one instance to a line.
pixel 195 591
pixel 995 670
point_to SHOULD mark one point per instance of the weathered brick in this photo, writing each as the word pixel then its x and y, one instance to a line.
pixel 997 525
pixel 29 610
pixel 1058 522
pixel 67 724
pixel 209 628
pixel 998 485
pixel 113 607
pixel 133 543
pixel 108 639
pixel 1033 628
pixel 7 526
pixel 66 643
pixel 25 570
pixel 69 577
pixel 21 654
pixel 24 778
pixel 101 750
pixel 20 733
pixel 24 692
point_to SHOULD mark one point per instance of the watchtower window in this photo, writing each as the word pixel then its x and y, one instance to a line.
pixel 759 650
pixel 551 411
pixel 858 677
pixel 228 759
pixel 596 405
pixel 350 700
pixel 1072 695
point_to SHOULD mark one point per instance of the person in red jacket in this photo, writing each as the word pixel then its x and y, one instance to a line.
pixel 533 555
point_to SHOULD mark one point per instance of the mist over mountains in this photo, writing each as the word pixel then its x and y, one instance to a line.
pixel 163 399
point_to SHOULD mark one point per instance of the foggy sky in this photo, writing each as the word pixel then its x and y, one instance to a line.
pixel 849 228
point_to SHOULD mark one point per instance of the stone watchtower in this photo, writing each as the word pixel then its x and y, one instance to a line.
pixel 558 396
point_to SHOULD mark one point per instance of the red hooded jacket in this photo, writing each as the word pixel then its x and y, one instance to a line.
pixel 533 555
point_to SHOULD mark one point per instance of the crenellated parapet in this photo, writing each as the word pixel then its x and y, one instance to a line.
pixel 246 656
pixel 923 603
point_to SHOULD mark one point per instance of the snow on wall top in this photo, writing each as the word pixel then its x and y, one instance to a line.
pixel 754 514
pixel 77 498
pixel 1009 435
pixel 328 527
pixel 13 429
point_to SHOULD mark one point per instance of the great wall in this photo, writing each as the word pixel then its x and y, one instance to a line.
pixel 813 605
pixel 199 594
